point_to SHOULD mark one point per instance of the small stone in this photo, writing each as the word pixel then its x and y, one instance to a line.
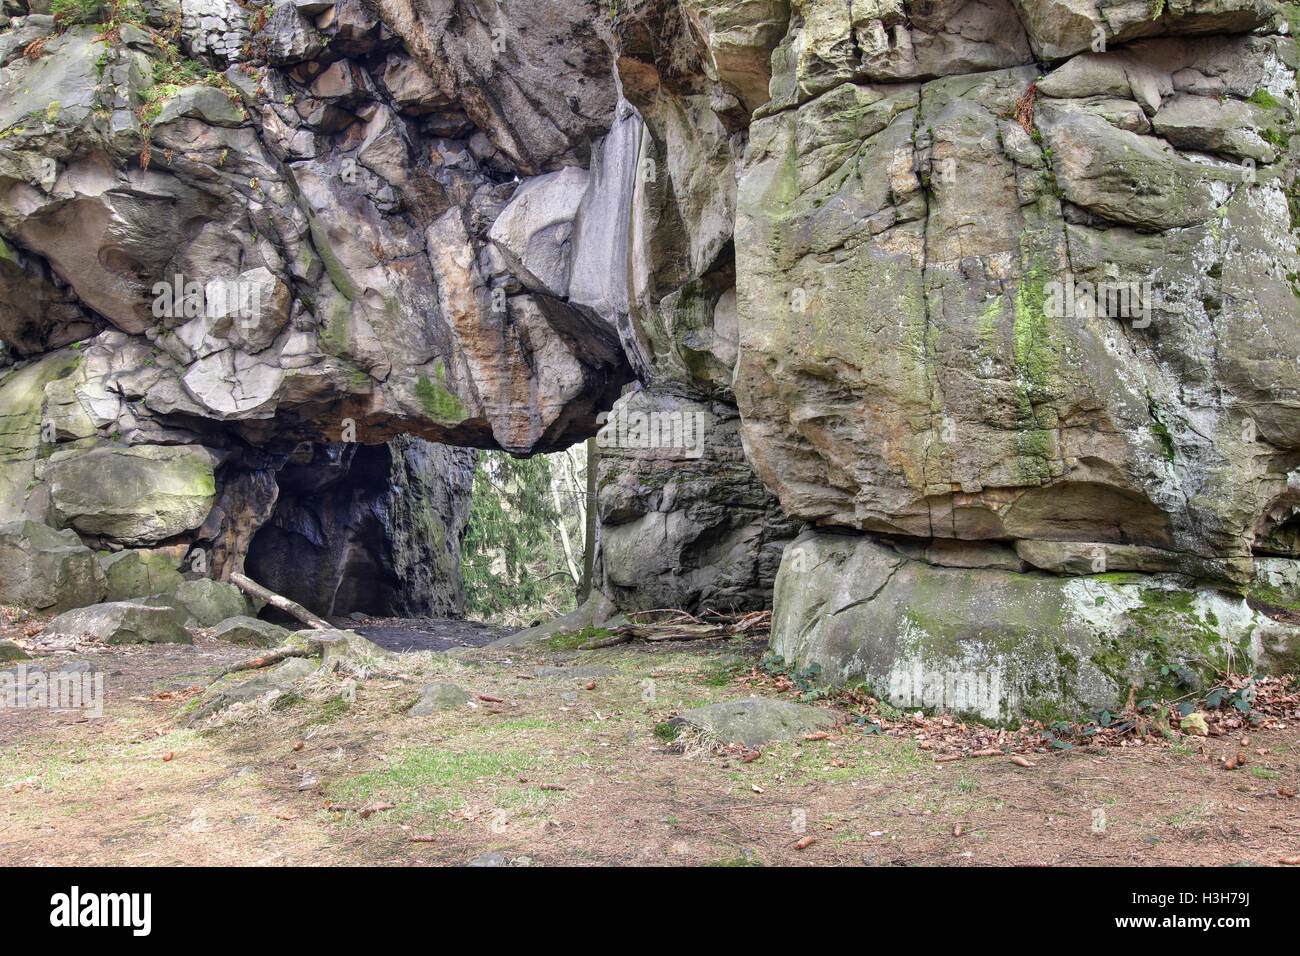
pixel 438 696
pixel 1194 724
pixel 582 672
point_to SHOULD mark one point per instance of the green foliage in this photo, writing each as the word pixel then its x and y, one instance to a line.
pixel 73 12
pixel 666 732
pixel 513 557
pixel 1264 98
pixel 108 13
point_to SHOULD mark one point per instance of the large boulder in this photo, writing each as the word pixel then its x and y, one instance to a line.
pixel 203 602
pixel 117 622
pixel 47 570
pixel 683 521
pixel 137 495
pixel 1001 645
pixel 137 573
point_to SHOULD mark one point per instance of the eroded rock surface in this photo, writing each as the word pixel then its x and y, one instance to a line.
pixel 1002 288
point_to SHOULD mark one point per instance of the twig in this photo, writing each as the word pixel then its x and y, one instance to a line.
pixel 266 660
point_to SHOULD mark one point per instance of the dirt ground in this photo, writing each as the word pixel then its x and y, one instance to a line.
pixel 571 771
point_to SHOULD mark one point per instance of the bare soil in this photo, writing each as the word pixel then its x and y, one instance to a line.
pixel 571 771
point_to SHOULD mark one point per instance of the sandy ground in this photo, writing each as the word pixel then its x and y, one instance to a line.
pixel 571 771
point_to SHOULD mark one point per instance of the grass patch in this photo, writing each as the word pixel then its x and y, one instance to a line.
pixel 666 732
pixel 573 640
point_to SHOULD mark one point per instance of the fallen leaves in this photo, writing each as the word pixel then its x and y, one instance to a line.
pixel 1020 761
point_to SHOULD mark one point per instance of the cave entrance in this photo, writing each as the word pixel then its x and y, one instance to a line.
pixel 415 529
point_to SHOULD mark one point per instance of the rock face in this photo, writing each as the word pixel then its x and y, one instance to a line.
pixel 281 254
pixel 683 521
pixel 1041 310
pixel 1001 644
pixel 47 570
pixel 1005 288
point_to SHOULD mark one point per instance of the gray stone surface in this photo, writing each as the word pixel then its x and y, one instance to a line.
pixel 118 622
pixel 1003 645
pixel 574 672
pixel 47 570
pixel 756 720
pixel 438 696
pixel 242 689
pixel 249 630
pixel 203 602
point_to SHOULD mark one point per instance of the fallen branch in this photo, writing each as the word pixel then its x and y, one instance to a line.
pixel 683 627
pixel 266 660
pixel 249 586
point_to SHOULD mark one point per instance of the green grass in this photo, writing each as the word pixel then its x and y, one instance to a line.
pixel 572 640
pixel 428 784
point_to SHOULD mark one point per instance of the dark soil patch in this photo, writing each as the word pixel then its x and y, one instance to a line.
pixel 426 634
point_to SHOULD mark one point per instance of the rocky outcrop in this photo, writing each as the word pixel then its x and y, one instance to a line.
pixel 302 233
pixel 1003 644
pixel 683 521
pixel 1003 288
pixel 1040 307
pixel 269 227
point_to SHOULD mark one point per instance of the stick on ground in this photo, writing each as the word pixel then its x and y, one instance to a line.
pixel 249 586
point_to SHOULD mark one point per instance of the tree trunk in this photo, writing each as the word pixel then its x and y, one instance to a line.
pixel 589 531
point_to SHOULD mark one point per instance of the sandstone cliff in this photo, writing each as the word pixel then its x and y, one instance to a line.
pixel 999 296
